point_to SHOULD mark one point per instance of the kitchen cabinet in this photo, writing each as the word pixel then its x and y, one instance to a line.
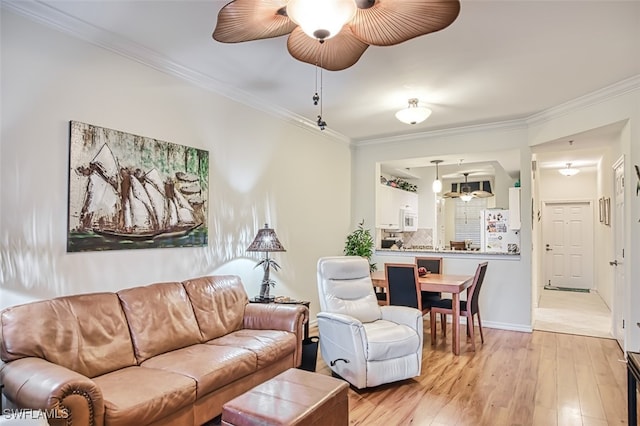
pixel 514 209
pixel 389 201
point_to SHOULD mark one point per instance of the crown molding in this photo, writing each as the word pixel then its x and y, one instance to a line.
pixel 519 124
pixel 609 92
pixel 49 16
pixel 617 89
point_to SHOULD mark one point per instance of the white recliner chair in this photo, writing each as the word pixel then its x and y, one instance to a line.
pixel 365 344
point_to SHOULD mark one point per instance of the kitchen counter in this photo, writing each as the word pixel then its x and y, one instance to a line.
pixel 443 253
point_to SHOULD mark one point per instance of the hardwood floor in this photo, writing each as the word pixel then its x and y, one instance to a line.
pixel 539 378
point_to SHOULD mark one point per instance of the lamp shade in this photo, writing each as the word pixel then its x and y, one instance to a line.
pixel 569 171
pixel 266 240
pixel 321 19
pixel 413 114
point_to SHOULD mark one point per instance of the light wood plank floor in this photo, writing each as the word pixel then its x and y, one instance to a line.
pixel 539 378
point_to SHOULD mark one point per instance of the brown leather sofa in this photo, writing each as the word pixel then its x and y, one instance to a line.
pixel 167 353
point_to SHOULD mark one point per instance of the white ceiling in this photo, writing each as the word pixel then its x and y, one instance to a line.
pixel 500 60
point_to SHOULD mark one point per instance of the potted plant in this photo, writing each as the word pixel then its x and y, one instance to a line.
pixel 360 243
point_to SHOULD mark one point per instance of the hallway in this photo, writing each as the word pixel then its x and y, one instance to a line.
pixel 569 312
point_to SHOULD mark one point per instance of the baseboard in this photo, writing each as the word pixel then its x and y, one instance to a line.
pixel 486 324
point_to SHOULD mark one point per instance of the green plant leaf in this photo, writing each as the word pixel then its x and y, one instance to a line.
pixel 360 243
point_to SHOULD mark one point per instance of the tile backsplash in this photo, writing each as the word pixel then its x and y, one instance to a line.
pixel 423 238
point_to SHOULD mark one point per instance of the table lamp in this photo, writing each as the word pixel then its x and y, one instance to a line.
pixel 266 241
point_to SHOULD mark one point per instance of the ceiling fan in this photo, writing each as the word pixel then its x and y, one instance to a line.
pixel 350 27
pixel 465 193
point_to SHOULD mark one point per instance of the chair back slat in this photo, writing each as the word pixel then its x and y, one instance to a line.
pixel 478 279
pixel 403 288
pixel 431 264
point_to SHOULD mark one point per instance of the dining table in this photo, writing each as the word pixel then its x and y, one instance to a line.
pixel 440 283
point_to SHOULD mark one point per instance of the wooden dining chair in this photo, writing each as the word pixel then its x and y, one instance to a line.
pixel 433 265
pixel 468 308
pixel 403 288
pixel 457 245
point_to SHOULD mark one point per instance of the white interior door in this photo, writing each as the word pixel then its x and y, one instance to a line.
pixel 567 235
pixel 617 223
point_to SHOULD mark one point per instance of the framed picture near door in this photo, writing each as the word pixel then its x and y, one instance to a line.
pixel 607 211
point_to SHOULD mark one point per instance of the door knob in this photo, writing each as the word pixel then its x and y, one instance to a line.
pixel 548 249
pixel 614 263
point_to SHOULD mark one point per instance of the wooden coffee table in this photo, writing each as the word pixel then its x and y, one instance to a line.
pixel 295 397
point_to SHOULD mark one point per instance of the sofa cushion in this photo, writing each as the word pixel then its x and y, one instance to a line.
pixel 268 345
pixel 160 319
pixel 218 303
pixel 85 333
pixel 211 367
pixel 139 395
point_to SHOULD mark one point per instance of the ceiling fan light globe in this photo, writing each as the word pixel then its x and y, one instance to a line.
pixel 321 19
pixel 466 197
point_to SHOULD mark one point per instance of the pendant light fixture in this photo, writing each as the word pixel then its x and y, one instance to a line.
pixel 569 171
pixel 437 184
pixel 413 114
pixel 466 194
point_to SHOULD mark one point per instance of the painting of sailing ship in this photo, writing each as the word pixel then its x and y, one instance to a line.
pixel 130 192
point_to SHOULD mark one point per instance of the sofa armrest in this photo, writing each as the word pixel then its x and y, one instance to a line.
pixel 62 393
pixel 275 316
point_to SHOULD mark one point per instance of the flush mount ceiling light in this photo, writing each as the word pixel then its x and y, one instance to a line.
pixel 437 184
pixel 333 34
pixel 569 171
pixel 413 114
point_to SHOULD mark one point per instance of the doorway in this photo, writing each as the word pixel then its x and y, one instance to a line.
pixel 619 290
pixel 569 303
pixel 566 214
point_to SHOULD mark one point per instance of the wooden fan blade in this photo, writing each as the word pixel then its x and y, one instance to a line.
pixel 246 20
pixel 335 54
pixel 481 194
pixel 390 22
pixel 451 195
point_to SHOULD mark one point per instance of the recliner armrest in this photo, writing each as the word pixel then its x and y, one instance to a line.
pixel 410 317
pixel 341 318
pixel 38 384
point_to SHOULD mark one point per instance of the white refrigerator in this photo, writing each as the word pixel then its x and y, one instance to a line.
pixel 496 237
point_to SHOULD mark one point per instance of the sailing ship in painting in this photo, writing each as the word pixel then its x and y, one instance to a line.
pixel 128 191
pixel 122 202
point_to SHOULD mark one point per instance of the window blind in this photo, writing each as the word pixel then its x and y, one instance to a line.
pixel 467 219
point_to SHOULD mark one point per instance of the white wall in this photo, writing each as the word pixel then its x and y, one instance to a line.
pixel 262 169
pixel 512 289
pixel 619 104
pixel 508 291
pixel 582 187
